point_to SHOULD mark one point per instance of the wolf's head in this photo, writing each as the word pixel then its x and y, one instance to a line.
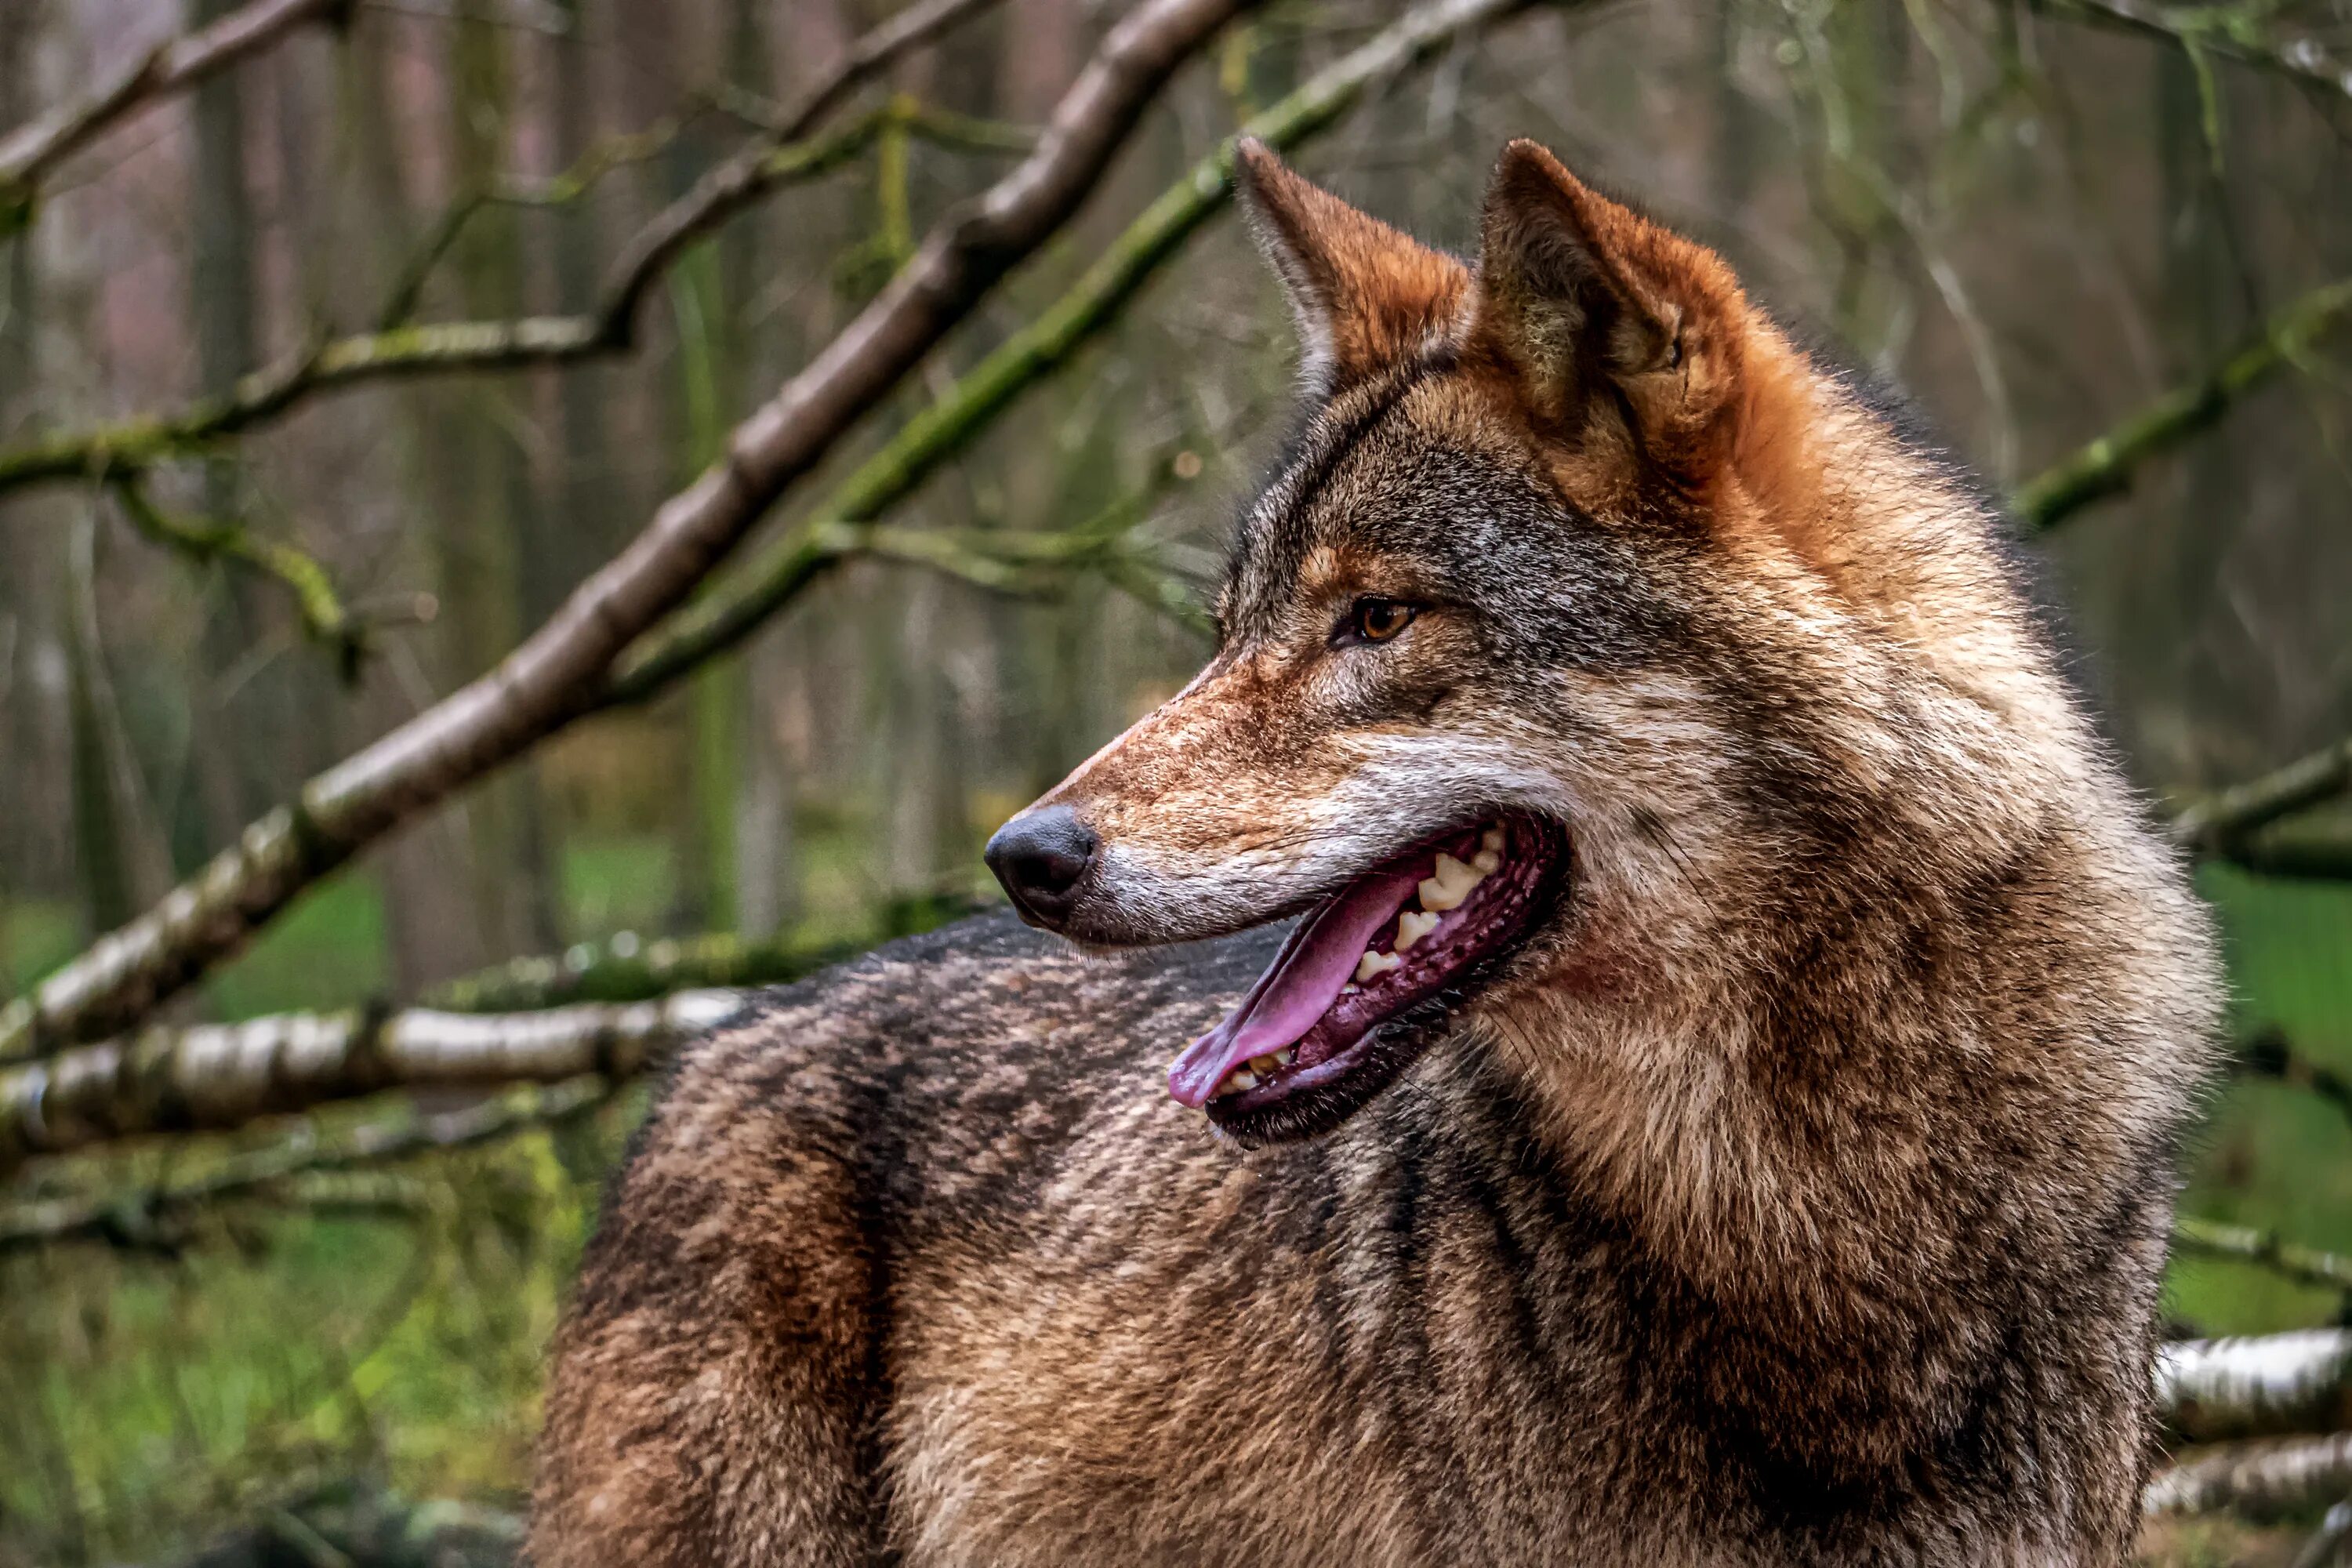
pixel 1591 643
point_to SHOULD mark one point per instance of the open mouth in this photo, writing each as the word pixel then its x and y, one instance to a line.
pixel 1348 1002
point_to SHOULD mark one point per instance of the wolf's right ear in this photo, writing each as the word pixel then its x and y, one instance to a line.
pixel 1616 333
pixel 1365 296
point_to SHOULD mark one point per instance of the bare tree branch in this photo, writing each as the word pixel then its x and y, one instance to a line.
pixel 557 672
pixel 2257 1478
pixel 443 347
pixel 217 1076
pixel 153 1216
pixel 2208 826
pixel 870 55
pixel 2106 465
pixel 2308 849
pixel 31 151
pixel 2221 1390
pixel 776 575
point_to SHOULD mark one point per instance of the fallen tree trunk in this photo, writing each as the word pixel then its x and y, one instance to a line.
pixel 220 1076
pixel 2212 1390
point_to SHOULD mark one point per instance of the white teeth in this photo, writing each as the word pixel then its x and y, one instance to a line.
pixel 1487 862
pixel 1492 840
pixel 1241 1079
pixel 1450 885
pixel 1411 926
pixel 1373 965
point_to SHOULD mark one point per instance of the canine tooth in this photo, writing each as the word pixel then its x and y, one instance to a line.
pixel 1373 965
pixel 1264 1066
pixel 1411 926
pixel 1487 862
pixel 1493 839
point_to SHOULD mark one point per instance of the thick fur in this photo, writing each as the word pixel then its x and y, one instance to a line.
pixel 1798 1195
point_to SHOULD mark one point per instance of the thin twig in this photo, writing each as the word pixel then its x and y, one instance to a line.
pixel 2269 1053
pixel 2232 31
pixel 557 672
pixel 208 540
pixel 871 55
pixel 33 150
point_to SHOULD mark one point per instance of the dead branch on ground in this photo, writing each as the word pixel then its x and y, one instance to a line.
pixel 211 1076
pixel 2260 1479
pixel 2222 1390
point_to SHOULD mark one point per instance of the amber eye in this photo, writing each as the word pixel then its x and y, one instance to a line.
pixel 1377 620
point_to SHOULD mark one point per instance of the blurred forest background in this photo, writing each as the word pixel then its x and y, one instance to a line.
pixel 260 507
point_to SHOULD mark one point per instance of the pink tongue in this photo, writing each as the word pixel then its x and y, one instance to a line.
pixel 1296 989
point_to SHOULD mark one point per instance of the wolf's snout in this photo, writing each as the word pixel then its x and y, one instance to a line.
pixel 1041 857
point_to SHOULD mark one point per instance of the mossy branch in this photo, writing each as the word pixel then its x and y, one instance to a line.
pixel 626 968
pixel 2307 781
pixel 447 347
pixel 288 1172
pixel 773 578
pixel 2106 465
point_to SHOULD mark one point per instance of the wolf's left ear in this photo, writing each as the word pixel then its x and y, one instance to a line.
pixel 1365 296
pixel 1609 325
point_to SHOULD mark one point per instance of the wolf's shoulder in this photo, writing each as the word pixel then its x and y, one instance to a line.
pixel 991 985
pixel 904 1052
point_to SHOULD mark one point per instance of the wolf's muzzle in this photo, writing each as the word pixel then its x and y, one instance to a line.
pixel 1041 857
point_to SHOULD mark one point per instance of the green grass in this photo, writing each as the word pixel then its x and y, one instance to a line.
pixel 2271 1155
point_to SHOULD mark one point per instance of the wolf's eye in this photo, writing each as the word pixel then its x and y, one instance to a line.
pixel 1375 620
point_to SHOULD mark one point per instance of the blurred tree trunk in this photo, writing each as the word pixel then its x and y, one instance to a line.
pixel 430 915
pixel 486 502
pixel 32 717
pixel 231 750
pixel 2170 634
pixel 1738 127
pixel 762 877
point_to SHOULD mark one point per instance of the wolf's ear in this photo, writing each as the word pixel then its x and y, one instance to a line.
pixel 1365 296
pixel 1608 325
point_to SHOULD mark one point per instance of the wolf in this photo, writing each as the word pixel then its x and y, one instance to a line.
pixel 1714 1103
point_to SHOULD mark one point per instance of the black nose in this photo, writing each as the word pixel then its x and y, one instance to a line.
pixel 1040 856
